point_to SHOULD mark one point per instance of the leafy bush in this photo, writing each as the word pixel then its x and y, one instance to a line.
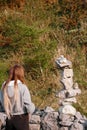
pixel 71 13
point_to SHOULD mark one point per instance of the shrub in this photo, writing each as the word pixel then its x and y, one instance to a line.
pixel 71 13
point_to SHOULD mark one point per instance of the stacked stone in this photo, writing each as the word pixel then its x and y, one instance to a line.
pixel 45 119
pixel 69 118
pixel 34 122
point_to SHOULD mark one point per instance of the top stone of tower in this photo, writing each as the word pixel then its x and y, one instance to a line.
pixel 62 62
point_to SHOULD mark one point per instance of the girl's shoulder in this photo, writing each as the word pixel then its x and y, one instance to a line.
pixel 22 86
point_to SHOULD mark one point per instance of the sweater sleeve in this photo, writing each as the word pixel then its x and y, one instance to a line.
pixel 28 104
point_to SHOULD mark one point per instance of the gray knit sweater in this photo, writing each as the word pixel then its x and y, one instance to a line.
pixel 25 104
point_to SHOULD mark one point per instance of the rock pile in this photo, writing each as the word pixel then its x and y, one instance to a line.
pixel 66 118
pixel 49 119
pixel 69 118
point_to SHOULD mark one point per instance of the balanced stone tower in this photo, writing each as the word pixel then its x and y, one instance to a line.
pixel 68 116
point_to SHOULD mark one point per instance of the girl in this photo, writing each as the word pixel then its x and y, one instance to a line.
pixel 17 100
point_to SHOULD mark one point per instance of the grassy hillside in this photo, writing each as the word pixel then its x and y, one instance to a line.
pixel 35 33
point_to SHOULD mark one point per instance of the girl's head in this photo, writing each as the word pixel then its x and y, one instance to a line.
pixel 16 73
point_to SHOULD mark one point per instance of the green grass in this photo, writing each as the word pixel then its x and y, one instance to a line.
pixel 3 72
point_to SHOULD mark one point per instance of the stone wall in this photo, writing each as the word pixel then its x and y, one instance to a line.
pixel 49 119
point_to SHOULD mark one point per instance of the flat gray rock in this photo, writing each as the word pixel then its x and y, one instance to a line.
pixel 67 82
pixel 77 126
pixel 34 127
pixel 67 109
pixel 35 119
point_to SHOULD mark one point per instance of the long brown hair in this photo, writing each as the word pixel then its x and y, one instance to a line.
pixel 15 73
